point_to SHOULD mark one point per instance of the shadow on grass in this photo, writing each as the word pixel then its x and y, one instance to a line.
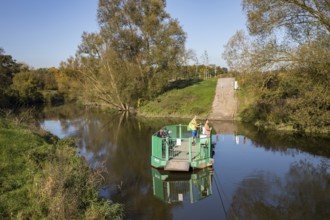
pixel 181 83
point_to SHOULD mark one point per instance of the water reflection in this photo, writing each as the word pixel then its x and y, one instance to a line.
pixel 303 194
pixel 256 175
pixel 172 187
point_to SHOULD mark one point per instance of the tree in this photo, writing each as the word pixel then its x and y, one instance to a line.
pixel 47 78
pixel 205 58
pixel 300 18
pixel 66 80
pixel 187 72
pixel 281 28
pixel 306 22
pixel 289 40
pixel 237 52
pixel 27 85
pixel 133 56
pixel 8 68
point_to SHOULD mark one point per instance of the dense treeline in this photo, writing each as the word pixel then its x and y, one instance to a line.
pixel 22 86
pixel 284 64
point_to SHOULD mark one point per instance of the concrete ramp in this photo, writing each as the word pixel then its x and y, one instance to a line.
pixel 175 165
pixel 225 103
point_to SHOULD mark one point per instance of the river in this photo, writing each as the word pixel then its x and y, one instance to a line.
pixel 255 175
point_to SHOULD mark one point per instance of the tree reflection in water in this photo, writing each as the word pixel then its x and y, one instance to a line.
pixel 302 194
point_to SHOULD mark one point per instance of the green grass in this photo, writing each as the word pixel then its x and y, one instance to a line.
pixel 196 99
pixel 44 178
pixel 17 167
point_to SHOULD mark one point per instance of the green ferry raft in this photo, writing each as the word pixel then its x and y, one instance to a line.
pixel 173 150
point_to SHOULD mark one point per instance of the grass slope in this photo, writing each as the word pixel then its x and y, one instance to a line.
pixel 44 178
pixel 196 99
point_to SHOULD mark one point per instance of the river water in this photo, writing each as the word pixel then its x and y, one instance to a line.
pixel 255 175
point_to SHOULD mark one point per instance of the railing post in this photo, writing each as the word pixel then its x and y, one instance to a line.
pixel 180 132
pixel 152 145
pixel 167 149
pixel 190 140
pixel 210 147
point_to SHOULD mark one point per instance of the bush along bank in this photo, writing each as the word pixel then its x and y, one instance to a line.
pixel 292 101
pixel 42 177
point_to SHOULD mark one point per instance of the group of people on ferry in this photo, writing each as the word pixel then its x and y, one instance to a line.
pixel 193 125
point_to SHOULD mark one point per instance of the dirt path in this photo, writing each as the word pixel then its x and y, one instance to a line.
pixel 225 103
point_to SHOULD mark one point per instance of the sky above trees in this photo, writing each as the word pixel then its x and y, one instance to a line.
pixel 42 33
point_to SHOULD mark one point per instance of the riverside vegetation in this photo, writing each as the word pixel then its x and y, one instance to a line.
pixel 277 101
pixel 284 78
pixel 43 177
pixel 284 81
pixel 295 101
pixel 283 65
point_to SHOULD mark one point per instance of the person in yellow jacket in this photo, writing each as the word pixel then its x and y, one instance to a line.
pixel 193 126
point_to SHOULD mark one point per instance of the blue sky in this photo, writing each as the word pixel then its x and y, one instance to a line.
pixel 42 33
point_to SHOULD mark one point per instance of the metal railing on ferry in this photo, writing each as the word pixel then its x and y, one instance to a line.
pixel 175 142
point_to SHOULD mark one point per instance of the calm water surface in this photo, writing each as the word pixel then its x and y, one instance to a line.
pixel 255 176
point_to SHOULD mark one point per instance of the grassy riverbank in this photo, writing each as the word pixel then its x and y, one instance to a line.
pixel 42 177
pixel 273 101
pixel 196 99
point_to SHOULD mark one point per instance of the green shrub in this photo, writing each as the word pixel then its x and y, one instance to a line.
pixel 295 99
pixel 47 180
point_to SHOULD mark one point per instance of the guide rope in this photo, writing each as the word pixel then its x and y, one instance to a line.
pixel 218 184
pixel 219 193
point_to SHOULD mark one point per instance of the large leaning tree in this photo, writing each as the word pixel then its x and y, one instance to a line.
pixel 133 55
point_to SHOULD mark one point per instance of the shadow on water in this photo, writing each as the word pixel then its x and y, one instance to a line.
pixel 256 175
